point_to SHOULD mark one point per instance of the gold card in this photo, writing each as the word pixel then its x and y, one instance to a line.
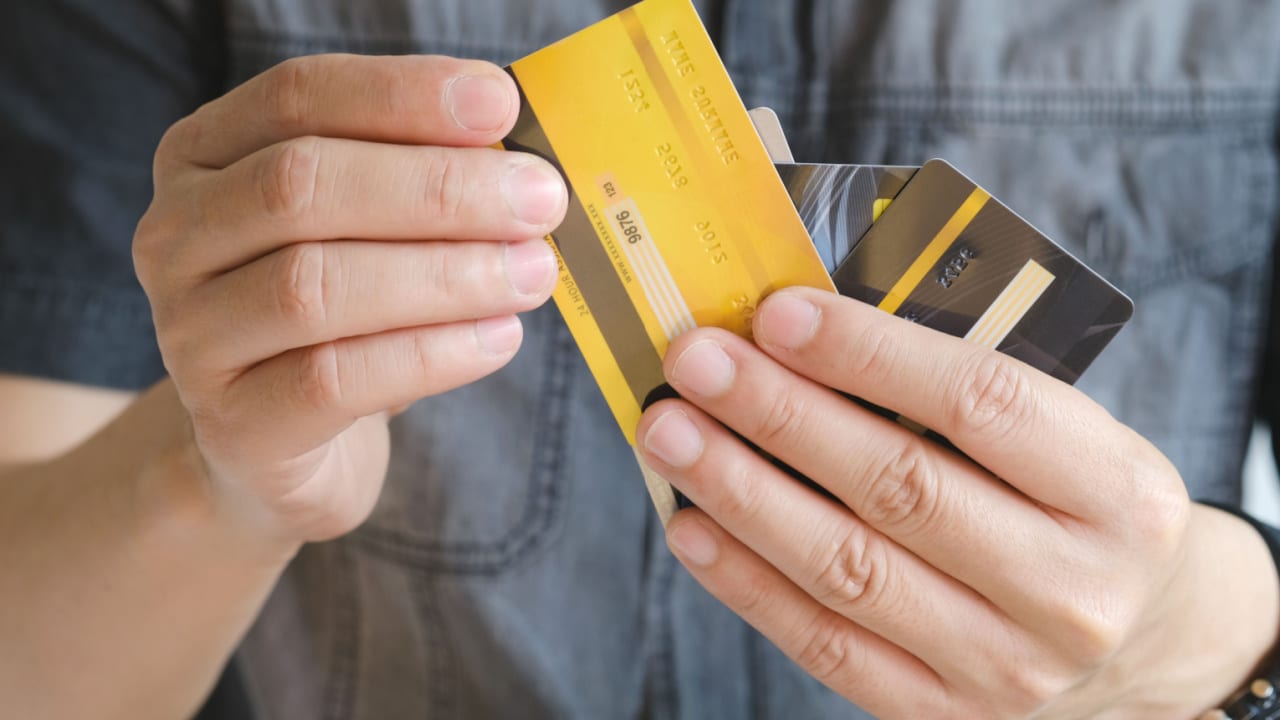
pixel 677 217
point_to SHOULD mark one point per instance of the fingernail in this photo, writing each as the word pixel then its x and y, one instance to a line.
pixel 499 335
pixel 674 439
pixel 478 102
pixel 535 192
pixel 704 368
pixel 787 321
pixel 694 543
pixel 531 266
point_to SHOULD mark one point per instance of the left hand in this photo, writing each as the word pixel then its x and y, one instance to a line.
pixel 1059 573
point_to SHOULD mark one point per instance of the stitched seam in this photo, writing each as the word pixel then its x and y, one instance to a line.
pixel 340 690
pixel 1249 331
pixel 758 672
pixel 44 319
pixel 663 673
pixel 441 679
pixel 1131 108
pixel 1136 107
pixel 272 42
pixel 23 293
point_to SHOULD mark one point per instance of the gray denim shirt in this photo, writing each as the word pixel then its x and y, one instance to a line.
pixel 513 566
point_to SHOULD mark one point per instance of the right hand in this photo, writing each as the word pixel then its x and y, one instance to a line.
pixel 331 240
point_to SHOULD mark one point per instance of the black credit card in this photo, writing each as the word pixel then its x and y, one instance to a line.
pixel 949 256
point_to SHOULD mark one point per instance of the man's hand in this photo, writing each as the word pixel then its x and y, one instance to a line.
pixel 329 241
pixel 1060 573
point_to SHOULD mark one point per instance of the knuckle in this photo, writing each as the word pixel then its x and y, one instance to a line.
pixel 301 288
pixel 288 87
pixel 995 398
pixel 288 179
pixel 1090 633
pixel 830 651
pixel 904 492
pixel 871 354
pixel 396 88
pixel 754 595
pixel 148 239
pixel 743 496
pixel 181 349
pixel 781 420
pixel 176 143
pixel 156 251
pixel 1163 522
pixel 319 377
pixel 1025 688
pixel 451 275
pixel 1159 500
pixel 851 577
pixel 424 352
pixel 444 182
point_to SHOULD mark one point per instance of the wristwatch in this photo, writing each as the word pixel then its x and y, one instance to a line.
pixel 1259 701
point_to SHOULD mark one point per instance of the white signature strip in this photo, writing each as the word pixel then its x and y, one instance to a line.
pixel 644 273
pixel 685 316
pixel 666 283
pixel 651 270
pixel 1011 305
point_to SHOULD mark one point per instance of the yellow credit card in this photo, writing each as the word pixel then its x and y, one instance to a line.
pixel 676 215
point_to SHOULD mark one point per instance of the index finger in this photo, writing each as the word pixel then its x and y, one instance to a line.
pixel 408 100
pixel 1036 433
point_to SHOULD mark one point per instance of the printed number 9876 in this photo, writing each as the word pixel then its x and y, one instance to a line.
pixel 629 228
